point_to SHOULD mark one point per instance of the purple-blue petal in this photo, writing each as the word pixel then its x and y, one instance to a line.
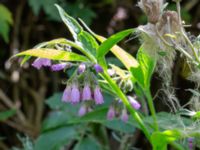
pixel 135 104
pixel 98 97
pixel 111 113
pixel 124 116
pixel 75 95
pixel 58 67
pixel 98 68
pixel 40 62
pixel 86 94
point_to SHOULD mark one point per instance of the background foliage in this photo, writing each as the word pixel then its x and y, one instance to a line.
pixel 31 114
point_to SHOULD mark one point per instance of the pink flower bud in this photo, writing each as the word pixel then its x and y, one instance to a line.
pixel 66 94
pixel 111 113
pixel 82 111
pixel 86 95
pixel 124 115
pixel 75 95
pixel 135 104
pixel 98 97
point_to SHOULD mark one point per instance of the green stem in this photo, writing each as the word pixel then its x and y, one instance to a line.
pixel 152 108
pixel 177 146
pixel 127 104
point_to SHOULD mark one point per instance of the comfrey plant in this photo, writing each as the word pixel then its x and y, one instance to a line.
pixel 161 38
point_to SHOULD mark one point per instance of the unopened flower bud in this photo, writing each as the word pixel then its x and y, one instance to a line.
pixel 58 67
pixel 135 104
pixel 82 111
pixel 81 68
pixel 98 97
pixel 111 113
pixel 98 68
pixel 75 94
pixel 66 94
pixel 124 115
pixel 86 95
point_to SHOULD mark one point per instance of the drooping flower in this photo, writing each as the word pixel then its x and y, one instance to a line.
pixel 83 110
pixel 40 62
pixel 81 68
pixel 124 115
pixel 98 97
pixel 66 94
pixel 58 67
pixel 111 113
pixel 86 94
pixel 135 104
pixel 75 94
pixel 98 68
pixel 190 143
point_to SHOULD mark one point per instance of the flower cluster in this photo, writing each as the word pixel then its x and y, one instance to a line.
pixel 117 109
pixel 82 87
pixel 74 94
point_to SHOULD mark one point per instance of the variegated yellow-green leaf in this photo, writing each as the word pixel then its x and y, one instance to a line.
pixel 53 54
pixel 128 60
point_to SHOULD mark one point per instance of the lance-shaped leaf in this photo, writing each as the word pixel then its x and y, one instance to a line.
pixel 105 47
pixel 128 60
pixel 144 71
pixel 53 54
pixel 81 37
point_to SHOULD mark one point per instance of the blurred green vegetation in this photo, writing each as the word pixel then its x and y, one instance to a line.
pixel 24 109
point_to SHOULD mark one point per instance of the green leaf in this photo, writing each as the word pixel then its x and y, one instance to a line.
pixel 7 114
pixel 144 71
pixel 87 42
pixel 55 139
pixel 99 116
pixel 5 22
pixel 160 140
pixel 169 121
pixel 105 47
pixel 88 143
pixel 128 60
pixel 53 54
pixel 70 22
pixel 81 37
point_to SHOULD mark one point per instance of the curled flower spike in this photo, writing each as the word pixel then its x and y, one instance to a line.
pixel 40 62
pixel 135 104
pixel 81 68
pixel 124 116
pixel 111 113
pixel 87 94
pixel 82 111
pixel 75 94
pixel 98 68
pixel 58 67
pixel 98 97
pixel 66 94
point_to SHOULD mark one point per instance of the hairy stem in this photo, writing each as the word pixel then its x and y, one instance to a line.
pixel 152 108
